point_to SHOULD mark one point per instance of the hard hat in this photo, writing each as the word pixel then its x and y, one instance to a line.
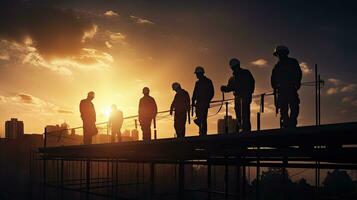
pixel 234 62
pixel 146 90
pixel 199 70
pixel 91 94
pixel 176 85
pixel 281 49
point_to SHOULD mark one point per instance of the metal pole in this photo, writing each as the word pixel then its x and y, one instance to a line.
pixel 257 189
pixel 244 181
pixel 44 166
pixel 226 120
pixel 152 180
pixel 209 180
pixel 88 177
pixel 155 131
pixel 181 181
pixel 225 181
pixel 62 177
pixel 258 121
pixel 319 97
pixel 316 97
pixel 238 183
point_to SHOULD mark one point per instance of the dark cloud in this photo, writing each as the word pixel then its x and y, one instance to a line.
pixel 26 98
pixel 55 32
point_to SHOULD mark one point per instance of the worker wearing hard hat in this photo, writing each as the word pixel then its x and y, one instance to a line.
pixel 115 123
pixel 286 81
pixel 181 106
pixel 242 85
pixel 147 113
pixel 201 98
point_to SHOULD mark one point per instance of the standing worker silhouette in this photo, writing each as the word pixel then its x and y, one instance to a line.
pixel 88 116
pixel 147 112
pixel 116 122
pixel 286 81
pixel 201 98
pixel 242 85
pixel 181 106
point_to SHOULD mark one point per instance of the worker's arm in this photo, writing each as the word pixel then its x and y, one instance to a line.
pixel 155 108
pixel 194 95
pixel 229 87
pixel 299 75
pixel 173 104
pixel 211 90
pixel 273 78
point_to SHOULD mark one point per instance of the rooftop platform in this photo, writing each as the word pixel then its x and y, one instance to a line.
pixel 333 143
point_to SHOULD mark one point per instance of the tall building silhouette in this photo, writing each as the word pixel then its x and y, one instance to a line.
pixel 232 123
pixel 14 129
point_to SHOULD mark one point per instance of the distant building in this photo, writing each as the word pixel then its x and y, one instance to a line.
pixel 14 129
pixel 232 124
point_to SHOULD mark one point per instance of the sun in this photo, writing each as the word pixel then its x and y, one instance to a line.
pixel 107 112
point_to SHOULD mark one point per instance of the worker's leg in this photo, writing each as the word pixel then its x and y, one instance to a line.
pixel 146 128
pixel 204 120
pixel 284 112
pixel 294 109
pixel 246 114
pixel 238 110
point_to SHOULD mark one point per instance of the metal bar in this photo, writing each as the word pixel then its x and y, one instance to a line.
pixel 181 180
pixel 226 120
pixel 316 97
pixel 152 179
pixel 88 176
pixel 258 121
pixel 209 179
pixel 225 181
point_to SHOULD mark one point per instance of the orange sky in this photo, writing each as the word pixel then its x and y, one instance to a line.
pixel 116 50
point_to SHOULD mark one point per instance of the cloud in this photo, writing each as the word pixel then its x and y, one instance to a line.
pixel 260 62
pixel 65 111
pixel 116 37
pixel 354 103
pixel 139 20
pixel 90 33
pixel 108 44
pixel 31 104
pixel 305 68
pixel 86 58
pixel 25 98
pixel 347 99
pixel 334 81
pixel 110 13
pixel 332 91
pixel 4 56
pixel 349 88
pixel 55 32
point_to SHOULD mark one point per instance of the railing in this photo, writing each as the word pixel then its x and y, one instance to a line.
pixel 53 138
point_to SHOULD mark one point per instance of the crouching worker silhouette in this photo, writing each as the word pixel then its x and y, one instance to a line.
pixel 147 112
pixel 115 123
pixel 181 106
pixel 88 116
pixel 242 85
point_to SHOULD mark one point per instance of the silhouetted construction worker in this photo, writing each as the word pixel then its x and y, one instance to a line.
pixel 147 112
pixel 201 98
pixel 116 122
pixel 88 116
pixel 181 106
pixel 286 81
pixel 242 85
